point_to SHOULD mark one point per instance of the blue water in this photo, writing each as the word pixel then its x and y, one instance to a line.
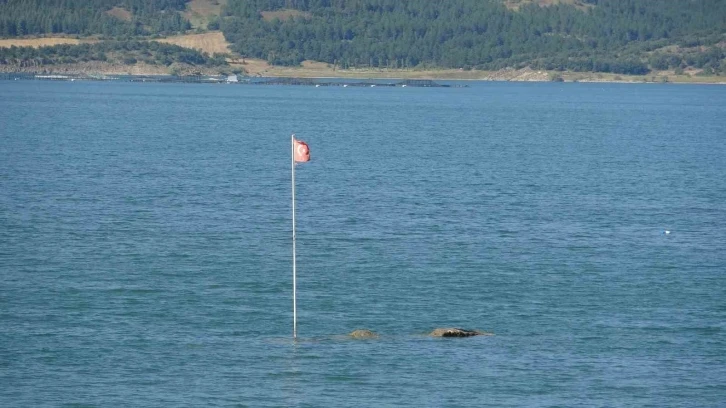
pixel 145 245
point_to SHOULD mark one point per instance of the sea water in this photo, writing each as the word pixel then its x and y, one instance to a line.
pixel 146 249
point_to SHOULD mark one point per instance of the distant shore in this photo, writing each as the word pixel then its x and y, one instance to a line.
pixel 319 71
pixel 211 42
pixel 507 75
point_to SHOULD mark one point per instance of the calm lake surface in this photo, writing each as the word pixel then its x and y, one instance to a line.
pixel 146 260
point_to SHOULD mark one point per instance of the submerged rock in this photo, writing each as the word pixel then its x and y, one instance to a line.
pixel 363 334
pixel 454 332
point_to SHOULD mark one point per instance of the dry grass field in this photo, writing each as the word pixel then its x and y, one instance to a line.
pixel 207 42
pixel 41 42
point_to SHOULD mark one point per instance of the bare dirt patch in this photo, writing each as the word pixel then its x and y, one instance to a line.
pixel 315 65
pixel 212 42
pixel 201 12
pixel 283 15
pixel 120 13
pixel 516 4
pixel 254 67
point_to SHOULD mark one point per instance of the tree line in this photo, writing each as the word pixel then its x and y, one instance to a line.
pixel 618 36
pixel 125 52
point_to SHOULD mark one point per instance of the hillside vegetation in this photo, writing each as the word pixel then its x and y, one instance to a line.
pixel 636 37
pixel 617 36
pixel 118 52
pixel 112 32
pixel 201 12
pixel 84 17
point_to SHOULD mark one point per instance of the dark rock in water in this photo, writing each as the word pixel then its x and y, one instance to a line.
pixel 454 332
pixel 363 334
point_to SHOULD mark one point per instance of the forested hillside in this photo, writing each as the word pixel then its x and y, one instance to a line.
pixel 87 17
pixel 619 36
pixel 118 52
pixel 124 27
pixel 613 36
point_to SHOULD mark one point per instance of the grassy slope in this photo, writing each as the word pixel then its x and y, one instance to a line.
pixel 39 42
pixel 210 42
pixel 120 13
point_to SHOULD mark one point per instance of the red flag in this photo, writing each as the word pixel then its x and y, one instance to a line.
pixel 302 151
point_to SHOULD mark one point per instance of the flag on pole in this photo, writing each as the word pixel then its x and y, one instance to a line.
pixel 302 151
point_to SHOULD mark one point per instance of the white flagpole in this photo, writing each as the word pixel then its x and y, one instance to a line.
pixel 294 272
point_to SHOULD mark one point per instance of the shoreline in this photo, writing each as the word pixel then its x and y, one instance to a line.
pixel 102 71
pixel 312 69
